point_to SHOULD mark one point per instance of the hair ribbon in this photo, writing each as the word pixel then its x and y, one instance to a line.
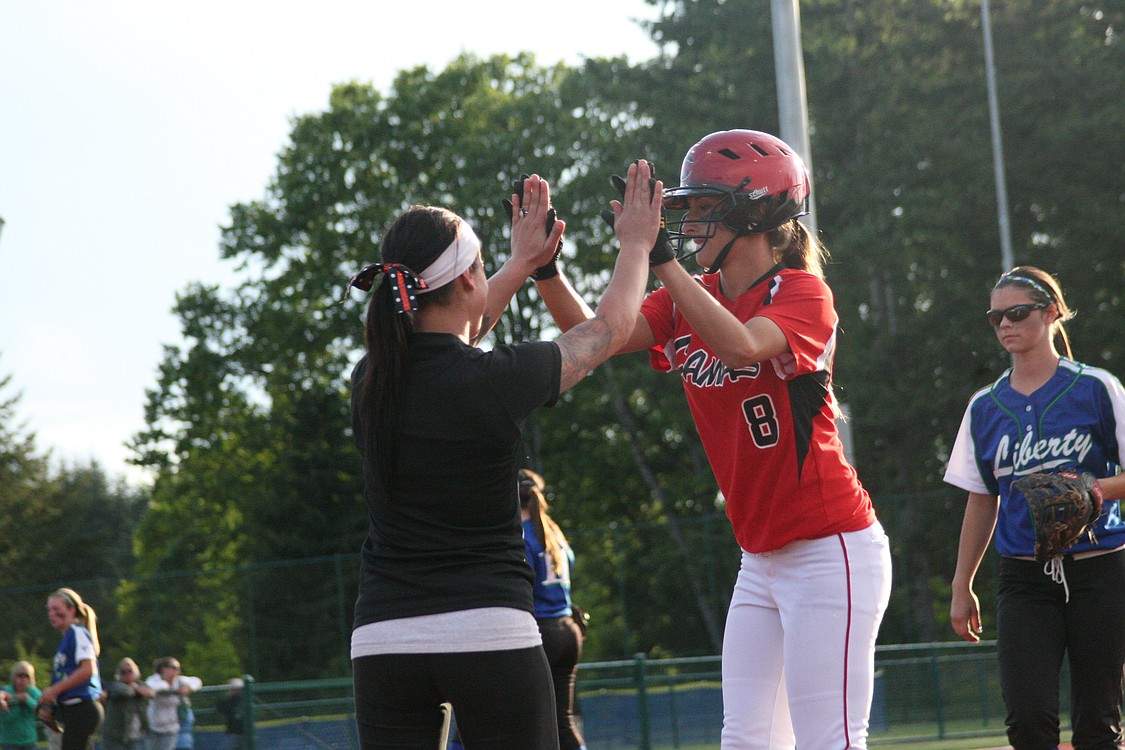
pixel 405 284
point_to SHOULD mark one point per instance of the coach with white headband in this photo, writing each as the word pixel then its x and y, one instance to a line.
pixel 444 612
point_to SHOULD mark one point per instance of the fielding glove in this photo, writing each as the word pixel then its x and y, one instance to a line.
pixel 1063 507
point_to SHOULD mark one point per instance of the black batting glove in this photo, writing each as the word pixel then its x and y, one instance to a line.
pixel 550 269
pixel 662 250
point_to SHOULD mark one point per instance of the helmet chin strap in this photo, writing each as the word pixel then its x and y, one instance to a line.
pixel 726 218
pixel 722 256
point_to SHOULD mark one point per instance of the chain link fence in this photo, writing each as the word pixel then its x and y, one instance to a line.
pixel 923 692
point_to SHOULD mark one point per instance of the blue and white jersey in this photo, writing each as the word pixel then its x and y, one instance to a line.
pixel 1076 420
pixel 76 647
pixel 551 591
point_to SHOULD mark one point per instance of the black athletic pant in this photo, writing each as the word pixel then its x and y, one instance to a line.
pixel 1036 627
pixel 503 700
pixel 80 722
pixel 562 642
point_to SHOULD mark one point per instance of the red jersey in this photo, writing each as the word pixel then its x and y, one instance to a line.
pixel 769 429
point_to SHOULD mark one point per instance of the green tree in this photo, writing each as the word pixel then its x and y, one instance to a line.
pixel 905 199
pixel 67 525
pixel 248 426
pixel 23 481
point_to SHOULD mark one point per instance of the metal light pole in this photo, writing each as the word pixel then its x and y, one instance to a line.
pixel 1006 261
pixel 792 104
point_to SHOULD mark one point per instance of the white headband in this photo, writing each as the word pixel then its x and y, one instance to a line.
pixel 453 260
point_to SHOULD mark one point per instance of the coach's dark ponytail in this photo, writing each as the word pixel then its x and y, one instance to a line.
pixel 415 239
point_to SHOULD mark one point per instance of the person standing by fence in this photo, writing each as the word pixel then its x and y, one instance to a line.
pixel 18 729
pixel 170 705
pixel 1044 414
pixel 126 709
pixel 229 707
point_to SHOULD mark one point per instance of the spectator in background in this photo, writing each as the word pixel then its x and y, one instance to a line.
pixel 185 739
pixel 126 709
pixel 562 628
pixel 73 696
pixel 230 708
pixel 17 709
pixel 168 708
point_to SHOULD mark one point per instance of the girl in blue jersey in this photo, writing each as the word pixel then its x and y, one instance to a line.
pixel 75 683
pixel 551 558
pixel 1048 412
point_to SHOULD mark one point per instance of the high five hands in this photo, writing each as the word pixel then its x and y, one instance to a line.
pixel 641 183
pixel 536 230
pixel 639 215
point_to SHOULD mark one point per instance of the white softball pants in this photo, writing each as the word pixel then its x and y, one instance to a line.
pixel 799 644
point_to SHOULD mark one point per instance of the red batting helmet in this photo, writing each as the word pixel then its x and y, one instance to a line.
pixel 762 181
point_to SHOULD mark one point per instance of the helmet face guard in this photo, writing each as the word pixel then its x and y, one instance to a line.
pixel 760 184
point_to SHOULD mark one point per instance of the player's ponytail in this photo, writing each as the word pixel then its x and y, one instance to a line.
pixel 414 240
pixel 550 536
pixel 84 614
pixel 792 244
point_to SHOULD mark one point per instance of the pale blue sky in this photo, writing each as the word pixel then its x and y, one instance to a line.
pixel 127 129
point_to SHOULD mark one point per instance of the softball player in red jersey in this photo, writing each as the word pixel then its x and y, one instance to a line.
pixel 754 344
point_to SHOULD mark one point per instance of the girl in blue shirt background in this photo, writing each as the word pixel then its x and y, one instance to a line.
pixel 551 558
pixel 1046 413
pixel 75 683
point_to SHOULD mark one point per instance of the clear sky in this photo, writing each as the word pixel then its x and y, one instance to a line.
pixel 128 128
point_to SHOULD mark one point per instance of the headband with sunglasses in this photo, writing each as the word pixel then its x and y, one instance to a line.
pixel 1015 313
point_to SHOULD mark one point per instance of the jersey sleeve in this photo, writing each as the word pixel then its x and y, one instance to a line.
pixel 659 310
pixel 1113 419
pixel 526 376
pixel 83 646
pixel 963 470
pixel 802 307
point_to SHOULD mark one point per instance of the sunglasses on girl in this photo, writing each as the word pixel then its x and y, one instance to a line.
pixel 1015 313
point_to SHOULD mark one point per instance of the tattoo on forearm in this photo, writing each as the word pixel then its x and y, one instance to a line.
pixel 583 348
